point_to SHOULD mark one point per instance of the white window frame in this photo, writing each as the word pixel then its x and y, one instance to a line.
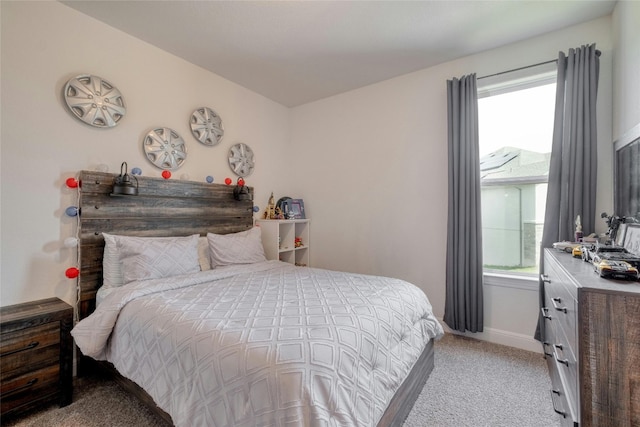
pixel 497 84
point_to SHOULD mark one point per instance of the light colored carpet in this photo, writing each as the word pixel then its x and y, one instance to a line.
pixel 474 383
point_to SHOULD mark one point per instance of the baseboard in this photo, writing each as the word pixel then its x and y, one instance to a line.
pixel 499 336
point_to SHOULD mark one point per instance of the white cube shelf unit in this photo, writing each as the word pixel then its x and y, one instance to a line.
pixel 278 239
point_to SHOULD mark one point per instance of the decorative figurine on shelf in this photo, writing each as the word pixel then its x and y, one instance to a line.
pixel 298 242
pixel 278 214
pixel 270 211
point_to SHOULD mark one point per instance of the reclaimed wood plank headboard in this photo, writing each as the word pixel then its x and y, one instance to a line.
pixel 161 208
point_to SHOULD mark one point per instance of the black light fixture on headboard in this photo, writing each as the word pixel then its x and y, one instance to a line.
pixel 123 186
pixel 241 192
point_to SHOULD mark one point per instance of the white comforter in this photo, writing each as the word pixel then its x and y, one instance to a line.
pixel 266 344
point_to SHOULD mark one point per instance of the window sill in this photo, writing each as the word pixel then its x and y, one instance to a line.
pixel 527 282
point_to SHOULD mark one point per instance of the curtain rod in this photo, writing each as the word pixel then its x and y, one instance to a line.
pixel 517 69
pixel 598 53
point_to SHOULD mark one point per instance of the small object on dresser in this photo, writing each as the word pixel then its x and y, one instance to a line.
pixel 607 268
pixel 578 237
pixel 597 252
pixel 566 246
pixel 577 252
pixel 36 351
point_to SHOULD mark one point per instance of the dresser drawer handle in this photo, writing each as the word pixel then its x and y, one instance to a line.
pixel 545 313
pixel 555 394
pixel 544 278
pixel 544 349
pixel 33 344
pixel 555 354
pixel 30 383
pixel 556 304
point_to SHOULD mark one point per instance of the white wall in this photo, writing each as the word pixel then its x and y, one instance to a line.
pixel 373 166
pixel 370 163
pixel 44 44
pixel 626 94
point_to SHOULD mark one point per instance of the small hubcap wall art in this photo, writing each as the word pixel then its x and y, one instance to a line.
pixel 94 101
pixel 165 148
pixel 206 126
pixel 241 159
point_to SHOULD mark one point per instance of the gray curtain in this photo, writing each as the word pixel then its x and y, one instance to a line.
pixel 464 303
pixel 574 160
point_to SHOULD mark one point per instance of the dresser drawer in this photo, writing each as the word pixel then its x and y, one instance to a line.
pixel 28 349
pixel 561 303
pixel 567 367
pixel 559 398
pixel 562 358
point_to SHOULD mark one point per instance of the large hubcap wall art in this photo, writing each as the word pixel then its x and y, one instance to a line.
pixel 241 159
pixel 94 101
pixel 165 148
pixel 206 126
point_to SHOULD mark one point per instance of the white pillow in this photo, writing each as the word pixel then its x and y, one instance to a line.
pixel 111 267
pixel 143 258
pixel 203 253
pixel 244 247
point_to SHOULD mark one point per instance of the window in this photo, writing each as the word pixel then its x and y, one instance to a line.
pixel 515 134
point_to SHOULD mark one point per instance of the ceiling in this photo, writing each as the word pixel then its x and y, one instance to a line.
pixel 295 52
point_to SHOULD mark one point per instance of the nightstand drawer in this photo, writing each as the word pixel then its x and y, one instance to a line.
pixel 21 390
pixel 28 349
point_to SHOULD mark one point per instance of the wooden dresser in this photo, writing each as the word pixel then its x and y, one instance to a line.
pixel 36 351
pixel 591 343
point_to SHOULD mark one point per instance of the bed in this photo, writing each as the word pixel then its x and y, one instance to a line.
pixel 249 341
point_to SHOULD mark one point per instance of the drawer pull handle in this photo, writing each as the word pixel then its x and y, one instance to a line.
pixel 545 313
pixel 29 346
pixel 556 304
pixel 30 383
pixel 544 278
pixel 555 394
pixel 544 349
pixel 555 354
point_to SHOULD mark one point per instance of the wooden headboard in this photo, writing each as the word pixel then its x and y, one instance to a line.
pixel 161 208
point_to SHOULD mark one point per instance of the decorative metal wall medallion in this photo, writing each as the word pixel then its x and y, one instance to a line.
pixel 165 148
pixel 94 100
pixel 241 159
pixel 206 126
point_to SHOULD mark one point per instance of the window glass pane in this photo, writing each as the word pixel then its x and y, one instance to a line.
pixel 515 131
pixel 523 119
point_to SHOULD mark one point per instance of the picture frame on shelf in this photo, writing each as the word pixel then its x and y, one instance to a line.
pixel 632 238
pixel 622 231
pixel 294 209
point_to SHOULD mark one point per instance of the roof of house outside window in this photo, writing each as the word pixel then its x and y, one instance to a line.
pixel 510 163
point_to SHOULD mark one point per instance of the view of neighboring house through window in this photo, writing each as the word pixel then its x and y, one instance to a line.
pixel 515 132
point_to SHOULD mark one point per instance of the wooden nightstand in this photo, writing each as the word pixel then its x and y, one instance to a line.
pixel 36 352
